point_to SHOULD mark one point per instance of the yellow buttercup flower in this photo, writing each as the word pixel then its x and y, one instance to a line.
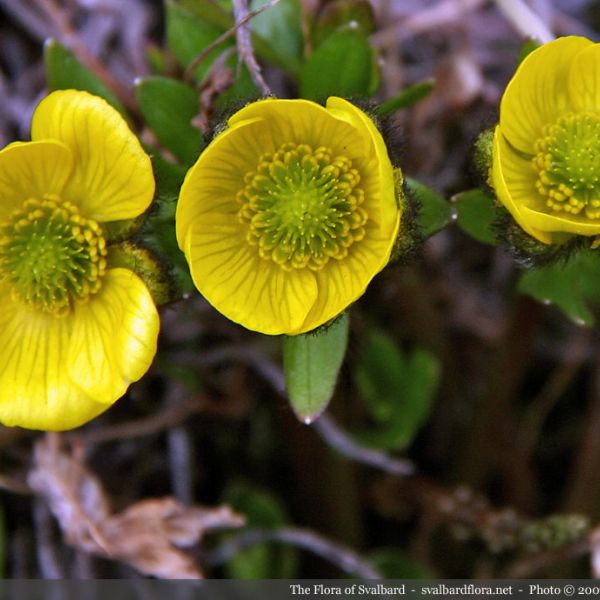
pixel 289 213
pixel 74 332
pixel 546 153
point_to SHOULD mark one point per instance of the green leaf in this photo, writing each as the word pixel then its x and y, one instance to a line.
pixel 208 10
pixel 311 364
pixel 398 390
pixel 435 211
pixel 476 215
pixel 527 48
pixel 380 375
pixel 344 65
pixel 188 35
pixel 157 59
pixel 336 14
pixel 168 177
pixel 572 286
pixel 263 561
pixel 169 106
pixel 406 98
pixel 65 72
pixel 279 27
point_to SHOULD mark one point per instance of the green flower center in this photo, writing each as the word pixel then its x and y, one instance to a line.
pixel 568 164
pixel 302 206
pixel 51 255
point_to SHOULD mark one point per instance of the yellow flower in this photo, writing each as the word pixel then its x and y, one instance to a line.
pixel 74 332
pixel 289 213
pixel 546 153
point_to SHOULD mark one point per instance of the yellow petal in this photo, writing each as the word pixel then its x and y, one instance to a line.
pixel 211 184
pixel 557 223
pixel 287 299
pixel 32 170
pixel 302 122
pixel 114 337
pixel 262 127
pixel 266 108
pixel 112 177
pixel 539 91
pixel 514 178
pixel 342 282
pixel 35 389
pixel 584 79
pixel 375 166
pixel 247 289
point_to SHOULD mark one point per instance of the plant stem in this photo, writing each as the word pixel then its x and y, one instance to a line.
pixel 525 21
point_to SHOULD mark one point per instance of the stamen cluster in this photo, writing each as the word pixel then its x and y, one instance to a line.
pixel 567 161
pixel 51 255
pixel 302 206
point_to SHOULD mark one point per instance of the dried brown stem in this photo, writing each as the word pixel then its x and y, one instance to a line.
pixel 583 485
pixel 244 46
pixel 188 74
pixel 341 556
pixel 491 448
pixel 169 417
pixel 556 384
pixel 535 564
pixel 305 24
pixel 260 362
pixel 48 558
pixel 13 485
pixel 524 20
pixel 29 19
pixel 349 448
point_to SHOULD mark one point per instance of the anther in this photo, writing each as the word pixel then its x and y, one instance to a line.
pixel 567 162
pixel 50 255
pixel 302 206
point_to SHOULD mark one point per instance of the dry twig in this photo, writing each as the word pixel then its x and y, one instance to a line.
pixel 525 21
pixel 170 416
pixel 345 445
pixel 582 484
pixel 341 556
pixel 241 21
pixel 533 420
pixel 244 46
